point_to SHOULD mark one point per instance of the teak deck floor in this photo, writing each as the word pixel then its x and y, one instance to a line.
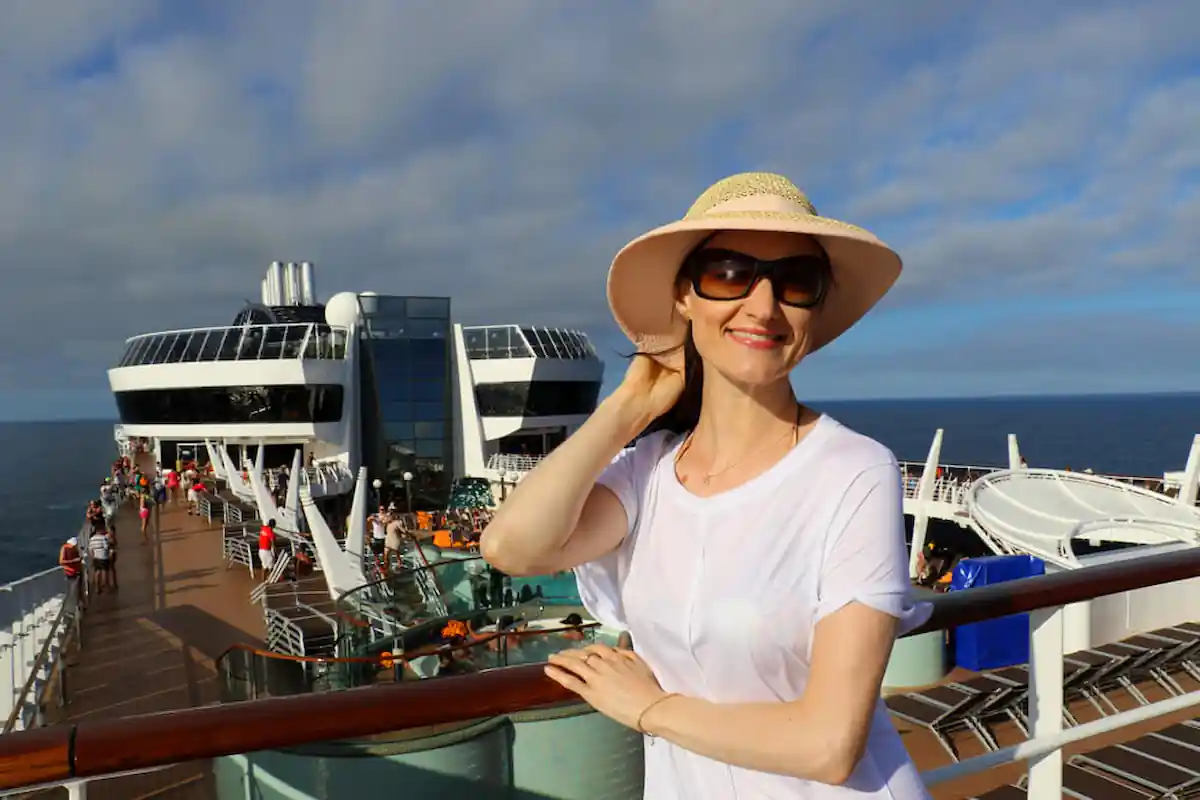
pixel 152 646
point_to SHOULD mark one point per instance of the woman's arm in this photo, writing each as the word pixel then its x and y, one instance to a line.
pixel 819 737
pixel 557 517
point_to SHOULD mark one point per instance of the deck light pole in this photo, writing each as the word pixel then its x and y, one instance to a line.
pixel 408 476
pixel 378 484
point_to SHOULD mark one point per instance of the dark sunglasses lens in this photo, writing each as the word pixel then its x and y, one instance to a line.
pixel 801 281
pixel 723 277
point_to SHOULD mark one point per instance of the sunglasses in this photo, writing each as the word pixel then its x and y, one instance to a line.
pixel 799 281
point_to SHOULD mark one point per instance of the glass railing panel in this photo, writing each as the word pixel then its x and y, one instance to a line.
pixel 211 345
pixel 293 341
pixel 193 347
pixel 178 346
pixel 237 343
pixel 231 341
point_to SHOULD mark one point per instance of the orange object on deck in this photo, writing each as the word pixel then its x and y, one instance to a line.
pixel 442 539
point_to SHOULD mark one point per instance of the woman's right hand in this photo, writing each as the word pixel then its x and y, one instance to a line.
pixel 650 386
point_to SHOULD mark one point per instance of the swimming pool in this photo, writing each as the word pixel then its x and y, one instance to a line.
pixel 559 587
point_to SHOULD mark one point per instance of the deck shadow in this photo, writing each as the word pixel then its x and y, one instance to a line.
pixel 198 629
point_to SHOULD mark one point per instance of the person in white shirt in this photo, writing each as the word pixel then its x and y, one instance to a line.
pixel 754 548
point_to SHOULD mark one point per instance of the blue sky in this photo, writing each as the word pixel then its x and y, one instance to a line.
pixel 1037 166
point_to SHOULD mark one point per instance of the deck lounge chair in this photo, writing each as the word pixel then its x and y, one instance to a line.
pixel 942 710
pixel 1077 783
pixel 1165 762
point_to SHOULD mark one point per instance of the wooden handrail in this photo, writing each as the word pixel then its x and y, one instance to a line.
pixel 245 648
pixel 100 747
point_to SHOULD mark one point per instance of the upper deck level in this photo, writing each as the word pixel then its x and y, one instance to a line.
pixel 275 341
pixel 514 341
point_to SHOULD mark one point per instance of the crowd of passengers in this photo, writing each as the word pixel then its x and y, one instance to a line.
pixel 388 529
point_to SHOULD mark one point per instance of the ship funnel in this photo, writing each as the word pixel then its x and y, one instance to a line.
pixel 308 291
pixel 275 280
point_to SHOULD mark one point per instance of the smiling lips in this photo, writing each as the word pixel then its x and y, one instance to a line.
pixel 755 339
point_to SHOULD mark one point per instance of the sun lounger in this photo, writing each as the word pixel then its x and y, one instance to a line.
pixel 1077 783
pixel 1164 762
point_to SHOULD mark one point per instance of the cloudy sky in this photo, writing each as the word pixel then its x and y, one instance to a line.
pixel 1037 164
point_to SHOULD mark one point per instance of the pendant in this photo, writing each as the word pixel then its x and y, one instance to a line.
pixel 706 479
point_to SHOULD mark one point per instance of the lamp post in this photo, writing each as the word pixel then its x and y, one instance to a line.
pixel 378 484
pixel 408 476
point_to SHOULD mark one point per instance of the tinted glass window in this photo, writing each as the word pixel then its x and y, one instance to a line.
pixel 538 399
pixel 231 404
pixel 428 307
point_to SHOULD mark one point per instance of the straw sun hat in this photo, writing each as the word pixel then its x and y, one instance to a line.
pixel 641 281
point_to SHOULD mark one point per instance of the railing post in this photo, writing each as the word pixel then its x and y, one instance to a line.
pixel 1046 699
pixel 77 790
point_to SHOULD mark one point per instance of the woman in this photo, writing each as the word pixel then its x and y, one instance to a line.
pixel 753 547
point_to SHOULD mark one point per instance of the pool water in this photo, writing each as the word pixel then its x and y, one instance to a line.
pixel 559 587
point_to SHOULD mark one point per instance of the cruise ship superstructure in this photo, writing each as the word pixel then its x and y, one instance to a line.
pixel 387 382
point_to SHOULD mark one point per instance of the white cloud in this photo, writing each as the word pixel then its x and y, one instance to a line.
pixel 501 152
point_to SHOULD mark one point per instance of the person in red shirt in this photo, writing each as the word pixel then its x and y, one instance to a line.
pixel 71 561
pixel 266 547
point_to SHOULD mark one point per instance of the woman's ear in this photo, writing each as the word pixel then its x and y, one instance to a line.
pixel 682 304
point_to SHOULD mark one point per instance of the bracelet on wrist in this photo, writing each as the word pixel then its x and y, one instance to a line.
pixel 638 726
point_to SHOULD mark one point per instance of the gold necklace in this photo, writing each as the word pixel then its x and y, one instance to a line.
pixel 708 476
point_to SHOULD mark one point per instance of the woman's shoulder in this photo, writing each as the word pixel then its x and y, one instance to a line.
pixel 848 453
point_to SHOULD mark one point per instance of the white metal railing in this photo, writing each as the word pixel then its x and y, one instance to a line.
pixel 513 462
pixel 300 340
pixel 950 490
pixel 30 615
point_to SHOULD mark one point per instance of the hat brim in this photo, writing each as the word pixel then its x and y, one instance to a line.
pixel 641 280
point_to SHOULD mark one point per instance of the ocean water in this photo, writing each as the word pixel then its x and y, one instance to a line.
pixel 55 467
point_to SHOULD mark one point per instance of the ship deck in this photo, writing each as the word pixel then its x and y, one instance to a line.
pixel 152 646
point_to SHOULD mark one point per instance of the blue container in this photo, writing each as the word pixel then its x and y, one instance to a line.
pixel 999 642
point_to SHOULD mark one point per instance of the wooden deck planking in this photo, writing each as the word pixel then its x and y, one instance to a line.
pixel 152 645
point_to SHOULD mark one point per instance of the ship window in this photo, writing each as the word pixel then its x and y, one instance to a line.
pixel 430 448
pixel 231 404
pixel 429 412
pixel 537 399
pixel 398 430
pixel 428 308
pixel 430 430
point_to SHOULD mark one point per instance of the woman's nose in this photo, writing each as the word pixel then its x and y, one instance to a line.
pixel 761 301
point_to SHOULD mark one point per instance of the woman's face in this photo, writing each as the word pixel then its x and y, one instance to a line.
pixel 754 341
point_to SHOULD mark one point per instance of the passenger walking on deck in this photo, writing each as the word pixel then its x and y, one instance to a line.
pixel 111 532
pixel 377 522
pixel 266 547
pixel 173 486
pixel 754 547
pixel 144 516
pixel 393 539
pixel 100 552
pixel 110 502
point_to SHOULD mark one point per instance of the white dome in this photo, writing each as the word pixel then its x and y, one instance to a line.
pixel 342 310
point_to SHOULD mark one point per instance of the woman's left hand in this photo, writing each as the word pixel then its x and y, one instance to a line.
pixel 617 683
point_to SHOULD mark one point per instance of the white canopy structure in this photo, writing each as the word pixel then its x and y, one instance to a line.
pixel 1042 512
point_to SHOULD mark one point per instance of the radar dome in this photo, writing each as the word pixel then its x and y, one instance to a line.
pixel 342 310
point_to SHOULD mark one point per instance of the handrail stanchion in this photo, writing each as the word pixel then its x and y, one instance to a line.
pixel 1046 699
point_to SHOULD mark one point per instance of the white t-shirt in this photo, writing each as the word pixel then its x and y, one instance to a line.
pixel 722 594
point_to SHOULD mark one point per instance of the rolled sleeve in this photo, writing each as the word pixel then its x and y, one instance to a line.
pixel 865 558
